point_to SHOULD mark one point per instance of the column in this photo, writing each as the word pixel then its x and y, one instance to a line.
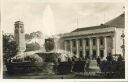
pixel 105 47
pixel 77 47
pixel 65 45
pixel 83 42
pixel 90 47
pixel 114 45
pixel 98 46
pixel 71 46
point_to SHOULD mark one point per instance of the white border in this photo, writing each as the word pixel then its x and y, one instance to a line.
pixel 90 80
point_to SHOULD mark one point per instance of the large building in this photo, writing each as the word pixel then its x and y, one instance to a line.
pixel 20 36
pixel 95 41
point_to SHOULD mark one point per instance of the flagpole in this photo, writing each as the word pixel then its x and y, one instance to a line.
pixel 77 23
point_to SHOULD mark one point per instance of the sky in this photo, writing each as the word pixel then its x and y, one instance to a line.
pixel 56 17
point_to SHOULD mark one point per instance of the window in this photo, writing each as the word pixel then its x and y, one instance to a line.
pixel 110 42
pixel 94 54
pixel 16 30
pixel 87 42
pixel 94 41
pixel 101 41
pixel 87 54
pixel 22 31
pixel 101 53
pixel 81 54
pixel 74 43
pixel 68 45
pixel 80 41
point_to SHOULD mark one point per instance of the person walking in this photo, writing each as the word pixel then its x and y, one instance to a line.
pixel 98 61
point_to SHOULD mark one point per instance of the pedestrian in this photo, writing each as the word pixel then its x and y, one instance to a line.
pixel 109 57
pixel 98 61
pixel 120 58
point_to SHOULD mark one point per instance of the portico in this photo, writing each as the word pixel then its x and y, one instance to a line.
pixel 90 47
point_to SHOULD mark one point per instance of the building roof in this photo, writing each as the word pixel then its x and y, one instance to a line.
pixel 90 28
pixel 90 32
pixel 118 22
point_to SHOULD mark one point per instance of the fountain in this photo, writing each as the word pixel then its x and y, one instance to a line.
pixel 48 21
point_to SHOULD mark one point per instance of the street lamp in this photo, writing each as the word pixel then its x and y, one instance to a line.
pixel 123 45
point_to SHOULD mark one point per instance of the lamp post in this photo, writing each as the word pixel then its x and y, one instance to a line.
pixel 123 45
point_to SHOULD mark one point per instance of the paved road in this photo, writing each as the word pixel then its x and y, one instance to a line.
pixel 50 76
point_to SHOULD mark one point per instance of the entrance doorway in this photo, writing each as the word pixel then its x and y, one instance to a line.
pixel 81 54
pixel 101 53
pixel 87 54
pixel 94 54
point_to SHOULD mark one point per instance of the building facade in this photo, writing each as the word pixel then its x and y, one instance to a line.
pixel 101 40
pixel 20 36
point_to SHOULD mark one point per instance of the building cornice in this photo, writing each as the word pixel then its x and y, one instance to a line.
pixel 90 32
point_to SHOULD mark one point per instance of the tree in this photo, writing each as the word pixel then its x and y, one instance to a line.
pixel 9 46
